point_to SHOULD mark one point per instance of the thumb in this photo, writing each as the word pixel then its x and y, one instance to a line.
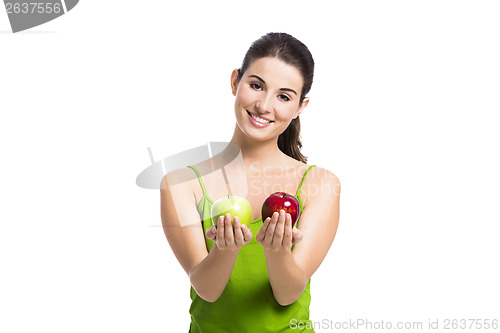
pixel 211 232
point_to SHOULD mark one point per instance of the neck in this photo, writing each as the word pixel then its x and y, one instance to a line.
pixel 264 152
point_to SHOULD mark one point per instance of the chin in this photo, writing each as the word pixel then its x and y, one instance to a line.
pixel 253 133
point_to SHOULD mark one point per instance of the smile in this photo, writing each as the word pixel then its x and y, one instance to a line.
pixel 258 121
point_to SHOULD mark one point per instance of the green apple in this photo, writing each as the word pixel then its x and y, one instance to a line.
pixel 234 205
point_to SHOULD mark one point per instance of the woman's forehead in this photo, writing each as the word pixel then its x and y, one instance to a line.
pixel 276 72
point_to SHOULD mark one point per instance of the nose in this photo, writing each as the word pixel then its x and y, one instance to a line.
pixel 264 104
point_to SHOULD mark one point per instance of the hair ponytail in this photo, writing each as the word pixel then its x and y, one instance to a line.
pixel 289 141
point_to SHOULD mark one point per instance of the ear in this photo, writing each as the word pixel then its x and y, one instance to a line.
pixel 234 81
pixel 301 108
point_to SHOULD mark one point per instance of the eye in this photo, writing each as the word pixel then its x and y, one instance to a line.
pixel 255 85
pixel 284 97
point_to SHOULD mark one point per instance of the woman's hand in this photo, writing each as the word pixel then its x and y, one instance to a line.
pixel 277 233
pixel 228 238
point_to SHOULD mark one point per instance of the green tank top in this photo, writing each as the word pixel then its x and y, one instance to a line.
pixel 247 303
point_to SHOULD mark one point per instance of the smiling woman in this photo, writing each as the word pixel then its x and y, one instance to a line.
pixel 278 109
pixel 257 278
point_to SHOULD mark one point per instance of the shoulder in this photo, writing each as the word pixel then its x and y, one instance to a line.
pixel 323 175
pixel 179 178
pixel 316 174
pixel 320 184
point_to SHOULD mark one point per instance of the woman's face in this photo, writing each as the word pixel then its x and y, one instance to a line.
pixel 267 97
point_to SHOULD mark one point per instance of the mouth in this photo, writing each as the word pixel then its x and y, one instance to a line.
pixel 258 119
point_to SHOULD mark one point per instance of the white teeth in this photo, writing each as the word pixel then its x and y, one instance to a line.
pixel 260 120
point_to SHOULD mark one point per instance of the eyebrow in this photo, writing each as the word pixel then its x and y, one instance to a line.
pixel 284 89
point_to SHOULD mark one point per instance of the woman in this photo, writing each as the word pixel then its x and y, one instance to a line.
pixel 257 279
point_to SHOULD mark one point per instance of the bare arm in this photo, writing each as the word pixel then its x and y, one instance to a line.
pixel 288 280
pixel 215 270
pixel 208 272
pixel 290 270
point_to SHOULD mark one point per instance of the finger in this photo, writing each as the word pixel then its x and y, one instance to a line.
pixel 238 233
pixel 279 230
pixel 220 231
pixel 270 229
pixel 211 232
pixel 228 228
pixel 247 233
pixel 297 235
pixel 262 231
pixel 288 233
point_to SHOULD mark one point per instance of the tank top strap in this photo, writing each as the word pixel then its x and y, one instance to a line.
pixel 300 186
pixel 199 178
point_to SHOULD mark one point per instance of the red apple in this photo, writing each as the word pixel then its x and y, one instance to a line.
pixel 281 200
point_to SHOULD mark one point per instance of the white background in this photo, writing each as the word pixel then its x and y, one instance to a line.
pixel 404 110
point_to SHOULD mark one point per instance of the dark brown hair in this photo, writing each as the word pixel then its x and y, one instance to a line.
pixel 293 52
